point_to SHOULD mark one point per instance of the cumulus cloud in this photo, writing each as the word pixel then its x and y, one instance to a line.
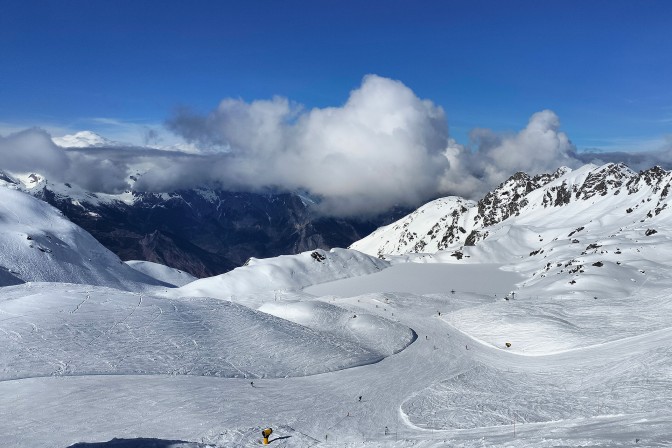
pixel 539 147
pixel 32 150
pixel 662 156
pixel 384 147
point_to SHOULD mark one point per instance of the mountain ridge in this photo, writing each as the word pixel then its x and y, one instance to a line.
pixel 516 196
pixel 202 231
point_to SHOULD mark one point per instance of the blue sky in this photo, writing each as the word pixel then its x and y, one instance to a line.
pixel 604 67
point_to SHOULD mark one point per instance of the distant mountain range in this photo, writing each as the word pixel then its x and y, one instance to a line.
pixel 206 232
pixel 580 195
pixel 200 231
pixel 40 245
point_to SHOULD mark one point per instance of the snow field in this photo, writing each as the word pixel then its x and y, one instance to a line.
pixel 422 279
pixel 590 362
pixel 262 280
pixel 162 273
pixel 54 330
pixel 40 245
pixel 605 395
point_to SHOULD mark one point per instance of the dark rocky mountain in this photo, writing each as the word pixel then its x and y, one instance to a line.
pixel 203 232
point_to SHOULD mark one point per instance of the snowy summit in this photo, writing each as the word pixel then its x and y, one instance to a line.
pixel 85 139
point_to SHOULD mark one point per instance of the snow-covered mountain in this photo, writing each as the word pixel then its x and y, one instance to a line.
pixel 40 245
pixel 201 231
pixel 563 197
pixel 439 225
pixel 85 139
pixel 252 283
pixel 538 316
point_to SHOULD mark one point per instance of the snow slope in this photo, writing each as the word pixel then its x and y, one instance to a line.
pixel 379 335
pixel 40 245
pixel 442 224
pixel 584 299
pixel 263 279
pixel 446 389
pixel 162 273
pixel 82 330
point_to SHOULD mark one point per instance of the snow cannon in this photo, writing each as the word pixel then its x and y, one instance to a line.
pixel 266 433
pixel 508 344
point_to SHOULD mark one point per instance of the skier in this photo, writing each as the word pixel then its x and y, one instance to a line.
pixel 360 398
pixel 252 383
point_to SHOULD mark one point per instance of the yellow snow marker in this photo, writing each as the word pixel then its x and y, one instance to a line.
pixel 266 433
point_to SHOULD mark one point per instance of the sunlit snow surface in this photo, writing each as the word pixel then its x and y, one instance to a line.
pixel 162 273
pixel 50 329
pixel 424 345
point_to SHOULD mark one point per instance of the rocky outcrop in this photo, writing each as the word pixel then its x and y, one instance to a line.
pixel 204 232
pixel 458 224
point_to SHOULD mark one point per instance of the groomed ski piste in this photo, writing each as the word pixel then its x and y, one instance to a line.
pixel 340 348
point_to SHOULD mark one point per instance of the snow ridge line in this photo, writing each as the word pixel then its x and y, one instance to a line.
pixel 660 337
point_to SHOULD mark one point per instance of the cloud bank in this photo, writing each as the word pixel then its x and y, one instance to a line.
pixel 384 147
pixel 33 150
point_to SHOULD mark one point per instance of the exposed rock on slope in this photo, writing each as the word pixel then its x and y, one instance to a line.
pixel 203 232
pixel 40 245
pixel 439 225
pixel 565 195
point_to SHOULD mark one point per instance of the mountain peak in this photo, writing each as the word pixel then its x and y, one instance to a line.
pixel 84 139
pixel 589 192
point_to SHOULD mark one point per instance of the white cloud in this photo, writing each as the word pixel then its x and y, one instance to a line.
pixel 383 147
pixel 539 147
pixel 32 149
